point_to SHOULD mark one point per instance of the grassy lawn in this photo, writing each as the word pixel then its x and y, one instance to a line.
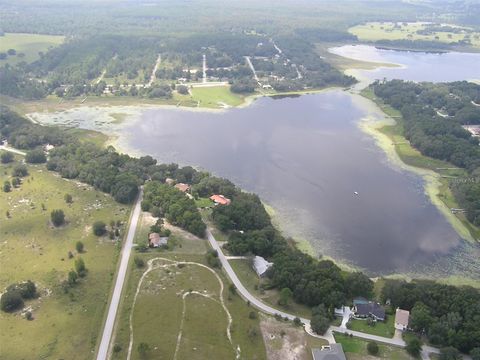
pixel 355 348
pixel 65 325
pixel 214 96
pixel 373 31
pixel 28 44
pixel 385 329
pixel 158 311
pixel 251 281
pixel 203 202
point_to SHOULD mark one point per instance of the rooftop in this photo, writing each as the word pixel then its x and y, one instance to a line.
pixel 401 317
pixel 260 265
pixel 182 187
pixel 220 199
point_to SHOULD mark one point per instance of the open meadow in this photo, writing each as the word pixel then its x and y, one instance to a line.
pixel 181 308
pixel 67 319
pixel 27 44
pixel 373 31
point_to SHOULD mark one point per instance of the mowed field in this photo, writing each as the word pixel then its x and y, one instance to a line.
pixel 215 96
pixel 182 308
pixel 65 325
pixel 373 31
pixel 28 44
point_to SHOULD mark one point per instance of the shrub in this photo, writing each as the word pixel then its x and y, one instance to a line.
pixel 138 262
pixel 58 217
pixel 450 353
pixel 72 278
pixel 11 301
pixel 372 348
pixel 252 315
pixel 99 228
pixel 27 289
pixel 68 198
pixel 297 321
pixel 6 186
pixel 414 346
pixel 80 267
pixel 6 157
pixel 79 246
pixel 29 315
pixel 35 157
pixel 20 171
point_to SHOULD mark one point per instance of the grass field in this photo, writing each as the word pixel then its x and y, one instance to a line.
pixel 373 31
pixel 190 292
pixel 65 325
pixel 385 328
pixel 251 281
pixel 356 349
pixel 28 44
pixel 214 97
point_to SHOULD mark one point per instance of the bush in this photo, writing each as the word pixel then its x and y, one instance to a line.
pixel 297 321
pixel 20 171
pixel 252 315
pixel 212 259
pixel 35 157
pixel 72 278
pixel 27 289
pixel 99 228
pixel 414 346
pixel 6 157
pixel 80 267
pixel 6 186
pixel 138 262
pixel 450 353
pixel 11 301
pixel 372 348
pixel 182 89
pixel 68 198
pixel 475 353
pixel 79 246
pixel 57 217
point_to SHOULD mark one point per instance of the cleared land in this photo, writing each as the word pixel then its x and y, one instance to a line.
pixel 66 324
pixel 28 44
pixel 385 329
pixel 215 97
pixel 374 31
pixel 178 309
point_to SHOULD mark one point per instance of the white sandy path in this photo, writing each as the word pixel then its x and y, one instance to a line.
pixel 173 263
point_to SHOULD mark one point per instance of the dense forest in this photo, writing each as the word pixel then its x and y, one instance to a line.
pixel 433 115
pixel 446 315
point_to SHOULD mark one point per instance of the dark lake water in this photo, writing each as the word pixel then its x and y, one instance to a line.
pixel 306 157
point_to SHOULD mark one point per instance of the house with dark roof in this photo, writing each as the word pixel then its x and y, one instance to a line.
pixel 329 352
pixel 370 309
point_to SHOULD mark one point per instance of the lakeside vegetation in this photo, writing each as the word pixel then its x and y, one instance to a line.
pixel 431 119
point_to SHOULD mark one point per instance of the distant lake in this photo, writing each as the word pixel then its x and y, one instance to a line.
pixel 306 157
pixel 415 66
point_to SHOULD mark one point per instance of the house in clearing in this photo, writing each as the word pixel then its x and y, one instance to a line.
pixel 260 265
pixel 182 187
pixel 169 181
pixel 401 319
pixel 155 240
pixel 220 200
pixel 370 310
pixel 329 352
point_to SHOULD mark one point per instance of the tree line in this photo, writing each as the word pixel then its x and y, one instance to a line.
pixel 433 115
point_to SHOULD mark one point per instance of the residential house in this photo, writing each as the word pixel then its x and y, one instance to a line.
pixel 260 265
pixel 220 200
pixel 169 181
pixel 155 240
pixel 182 187
pixel 401 319
pixel 370 309
pixel 329 352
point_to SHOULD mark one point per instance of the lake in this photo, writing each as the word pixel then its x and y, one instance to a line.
pixel 307 157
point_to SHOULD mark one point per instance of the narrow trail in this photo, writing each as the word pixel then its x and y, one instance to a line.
pixel 153 76
pixel 179 337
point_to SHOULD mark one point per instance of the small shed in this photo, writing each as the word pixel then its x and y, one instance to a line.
pixel 260 265
pixel 182 187
pixel 401 319
pixel 220 200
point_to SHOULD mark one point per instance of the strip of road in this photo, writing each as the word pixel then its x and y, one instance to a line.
pixel 102 353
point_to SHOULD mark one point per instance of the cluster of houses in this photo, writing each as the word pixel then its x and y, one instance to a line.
pixel 365 309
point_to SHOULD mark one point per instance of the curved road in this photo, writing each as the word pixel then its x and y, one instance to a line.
pixel 102 353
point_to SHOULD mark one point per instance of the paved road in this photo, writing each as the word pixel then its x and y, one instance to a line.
pixel 272 311
pixel 117 291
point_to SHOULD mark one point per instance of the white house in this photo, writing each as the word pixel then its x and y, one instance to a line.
pixel 260 265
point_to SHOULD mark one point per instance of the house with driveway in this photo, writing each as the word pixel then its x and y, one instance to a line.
pixel 401 319
pixel 329 352
pixel 364 309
